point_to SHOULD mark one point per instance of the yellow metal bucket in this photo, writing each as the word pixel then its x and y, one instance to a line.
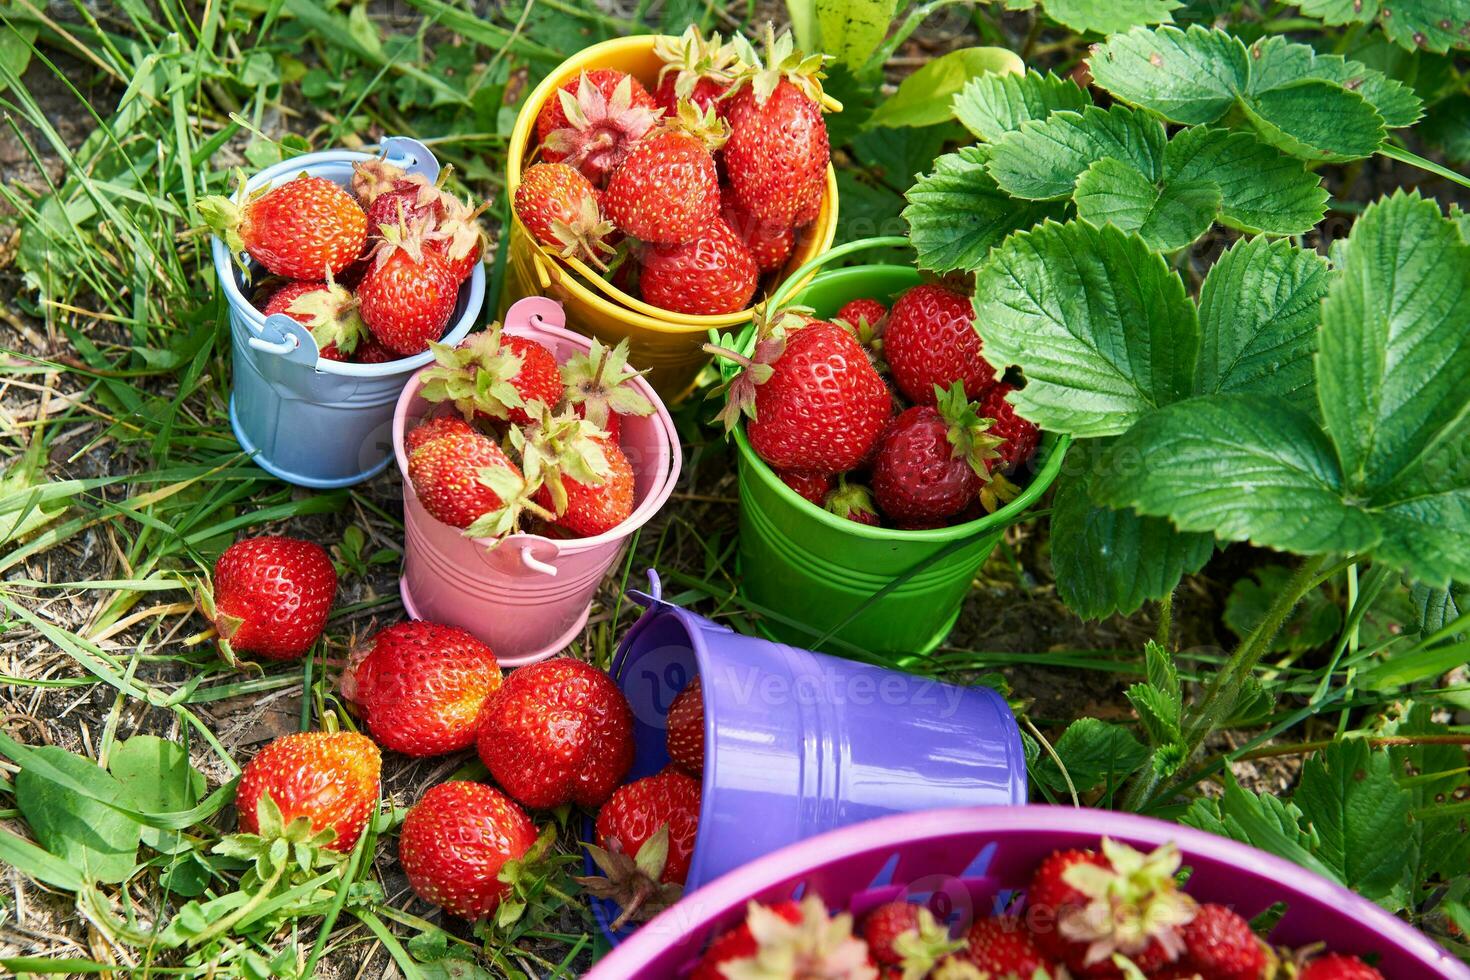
pixel 667 343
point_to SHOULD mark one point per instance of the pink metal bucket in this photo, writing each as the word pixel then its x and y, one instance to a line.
pixel 529 596
pixel 969 863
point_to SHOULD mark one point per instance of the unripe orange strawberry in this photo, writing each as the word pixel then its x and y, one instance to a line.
pixel 271 596
pixel 560 208
pixel 331 778
pixel 420 687
pixel 307 228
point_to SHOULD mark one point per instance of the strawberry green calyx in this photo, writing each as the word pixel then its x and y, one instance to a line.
pixel 330 313
pixel 997 492
pixel 968 433
pixel 693 57
pixel 525 876
pixel 404 234
pixel 601 382
pixel 820 946
pixel 601 128
pixel 514 492
pixel 304 851
pixel 706 126
pixel 459 230
pixel 852 501
pixel 225 625
pixel 633 882
pixel 771 331
pixel 955 968
pixel 475 376
pixel 782 62
pixel 224 216
pixel 925 947
pixel 1133 902
pixel 585 237
pixel 561 447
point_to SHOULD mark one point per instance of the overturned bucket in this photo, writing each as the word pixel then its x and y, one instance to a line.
pixel 799 743
pixel 305 419
pixel 527 596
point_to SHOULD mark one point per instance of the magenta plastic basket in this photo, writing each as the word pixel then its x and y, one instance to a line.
pixel 972 862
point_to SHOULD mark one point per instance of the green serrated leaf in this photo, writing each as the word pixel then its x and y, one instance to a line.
pixel 1245 467
pixel 1258 312
pixel 1187 76
pixel 1115 560
pixel 1393 356
pixel 1158 715
pixel 1095 752
pixel 1261 190
pixel 1360 815
pixel 101 843
pixel 923 98
pixel 1428 25
pixel 956 215
pixel 1044 158
pixel 1109 16
pixel 1166 214
pixel 1438 607
pixel 1162 672
pixel 1316 120
pixel 1096 320
pixel 992 105
pixel 1268 822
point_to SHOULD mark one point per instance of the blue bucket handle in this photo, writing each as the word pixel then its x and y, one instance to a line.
pixel 411 155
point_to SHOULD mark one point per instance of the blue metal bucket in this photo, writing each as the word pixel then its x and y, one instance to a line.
pixel 307 420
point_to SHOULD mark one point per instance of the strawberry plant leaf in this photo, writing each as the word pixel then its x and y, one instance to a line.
pixel 1446 126
pixel 1437 608
pixel 1116 559
pixel 1167 215
pixel 1095 752
pixel 1428 25
pixel 1392 360
pixel 1260 188
pixel 1245 467
pixel 957 213
pixel 1109 16
pixel 1313 623
pixel 1258 312
pixel 923 98
pixel 1043 159
pixel 1187 76
pixel 1276 62
pixel 1098 322
pixel 1266 821
pixel 852 29
pixel 156 777
pixel 1360 815
pixel 1158 715
pixel 1316 120
pixel 100 842
pixel 992 105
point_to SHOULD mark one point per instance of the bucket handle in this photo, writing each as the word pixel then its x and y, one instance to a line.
pixel 282 336
pixel 800 276
pixel 535 311
pixel 420 159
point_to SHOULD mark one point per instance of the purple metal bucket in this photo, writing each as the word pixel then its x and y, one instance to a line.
pixel 800 743
pixel 968 862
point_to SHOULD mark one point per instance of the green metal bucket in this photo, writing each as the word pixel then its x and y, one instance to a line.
pixel 828 583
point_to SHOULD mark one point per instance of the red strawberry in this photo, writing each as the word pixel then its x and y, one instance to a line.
pixel 737 943
pixel 599 385
pixel 411 199
pixel 905 936
pixel 595 508
pixel 635 812
pixel 465 480
pixel 592 122
pixel 710 275
pixel 933 461
pixel 775 942
pixel 684 735
pixel 585 482
pixel 557 732
pixel 1020 435
pixel 862 312
pixel 327 310
pixel 769 244
pixel 456 842
pixel 814 400
pixel 433 428
pixel 777 154
pixel 369 351
pixel 809 485
pixel 1219 944
pixel 457 238
pixel 694 70
pixel 495 375
pixel 1338 966
pixel 1002 947
pixel 331 778
pixel 420 687
pixel 666 191
pixel 305 228
pixel 560 208
pixel 271 596
pixel 1084 892
pixel 854 502
pixel 408 294
pixel 930 340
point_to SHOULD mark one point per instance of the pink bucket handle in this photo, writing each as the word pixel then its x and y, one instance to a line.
pixel 524 545
pixel 535 311
pixel 535 564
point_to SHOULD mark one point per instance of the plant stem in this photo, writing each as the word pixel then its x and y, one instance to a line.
pixel 1166 620
pixel 1303 748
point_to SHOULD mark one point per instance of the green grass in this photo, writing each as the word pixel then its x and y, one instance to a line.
pixel 126 483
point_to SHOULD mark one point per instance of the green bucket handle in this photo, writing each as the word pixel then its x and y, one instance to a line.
pixel 798 278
